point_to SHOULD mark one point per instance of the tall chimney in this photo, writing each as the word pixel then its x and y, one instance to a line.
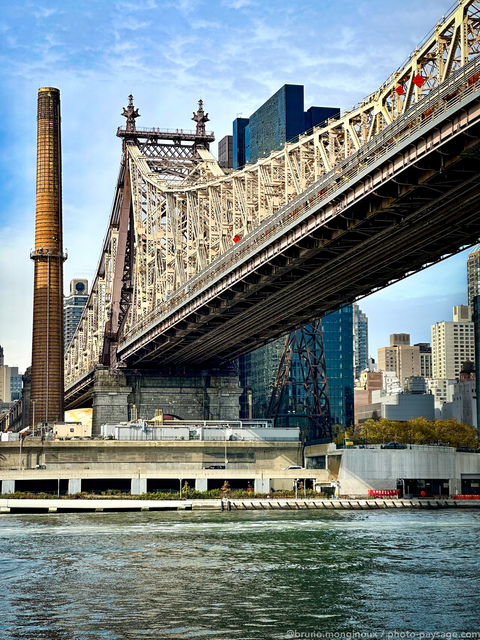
pixel 47 342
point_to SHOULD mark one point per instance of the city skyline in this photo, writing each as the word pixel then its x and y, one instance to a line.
pixel 121 48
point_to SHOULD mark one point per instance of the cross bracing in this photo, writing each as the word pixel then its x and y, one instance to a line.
pixel 178 224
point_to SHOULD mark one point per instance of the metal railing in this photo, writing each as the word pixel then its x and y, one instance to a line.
pixel 157 130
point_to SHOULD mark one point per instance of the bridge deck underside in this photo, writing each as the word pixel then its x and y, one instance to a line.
pixel 417 207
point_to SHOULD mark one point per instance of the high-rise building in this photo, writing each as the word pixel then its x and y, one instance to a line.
pixel 225 152
pixel 360 340
pixel 10 381
pixel 473 274
pixel 280 119
pixel 258 371
pixel 338 346
pixel 453 343
pixel 400 357
pixel 476 324
pixel 73 306
pixel 239 143
pixel 425 358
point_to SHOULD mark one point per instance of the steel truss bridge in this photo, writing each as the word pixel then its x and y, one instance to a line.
pixel 200 266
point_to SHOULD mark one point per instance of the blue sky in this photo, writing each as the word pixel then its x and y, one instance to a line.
pixel 231 53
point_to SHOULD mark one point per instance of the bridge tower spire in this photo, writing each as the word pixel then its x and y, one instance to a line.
pixel 201 118
pixel 130 113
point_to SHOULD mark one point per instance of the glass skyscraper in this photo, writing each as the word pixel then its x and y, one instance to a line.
pixel 360 337
pixel 279 119
pixel 338 345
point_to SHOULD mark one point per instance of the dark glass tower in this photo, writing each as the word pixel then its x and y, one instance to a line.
pixel 338 345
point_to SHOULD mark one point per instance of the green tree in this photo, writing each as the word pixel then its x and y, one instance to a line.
pixel 418 431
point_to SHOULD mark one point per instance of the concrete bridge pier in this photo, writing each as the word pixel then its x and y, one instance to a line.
pixel 186 394
pixel 262 485
pixel 455 486
pixel 74 486
pixel 8 486
pixel 110 398
pixel 201 484
pixel 139 486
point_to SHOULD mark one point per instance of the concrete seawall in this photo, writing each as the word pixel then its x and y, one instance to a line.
pixel 18 505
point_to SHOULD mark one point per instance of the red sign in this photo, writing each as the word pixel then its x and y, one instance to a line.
pixel 418 80
pixel 400 90
pixel 236 239
pixel 383 493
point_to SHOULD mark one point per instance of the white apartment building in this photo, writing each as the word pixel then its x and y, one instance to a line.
pixel 442 389
pixel 453 343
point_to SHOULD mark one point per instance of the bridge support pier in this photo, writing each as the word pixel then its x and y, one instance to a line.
pixel 185 394
pixel 8 486
pixel 110 398
pixel 189 395
pixel 139 486
pixel 201 484
pixel 74 486
pixel 262 485
pixel 455 486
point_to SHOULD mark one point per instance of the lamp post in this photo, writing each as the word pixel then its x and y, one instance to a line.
pixel 226 459
pixel 33 419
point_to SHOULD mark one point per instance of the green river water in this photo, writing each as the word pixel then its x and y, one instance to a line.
pixel 243 575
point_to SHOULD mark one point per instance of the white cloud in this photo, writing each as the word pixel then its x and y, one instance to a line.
pixel 133 25
pixel 205 24
pixel 132 7
pixel 237 4
pixel 44 12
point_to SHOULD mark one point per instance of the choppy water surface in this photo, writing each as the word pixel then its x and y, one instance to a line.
pixel 239 575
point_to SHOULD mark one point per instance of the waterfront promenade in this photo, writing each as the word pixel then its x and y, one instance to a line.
pixel 65 505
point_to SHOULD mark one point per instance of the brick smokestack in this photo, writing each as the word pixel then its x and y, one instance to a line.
pixel 48 257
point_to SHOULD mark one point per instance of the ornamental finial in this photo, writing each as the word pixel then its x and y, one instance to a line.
pixel 200 118
pixel 130 113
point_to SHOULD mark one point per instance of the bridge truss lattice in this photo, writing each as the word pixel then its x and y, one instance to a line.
pixel 176 212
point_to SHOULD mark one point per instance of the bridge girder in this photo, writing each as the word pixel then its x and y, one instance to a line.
pixel 183 224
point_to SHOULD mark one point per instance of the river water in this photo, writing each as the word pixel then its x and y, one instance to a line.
pixel 240 575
